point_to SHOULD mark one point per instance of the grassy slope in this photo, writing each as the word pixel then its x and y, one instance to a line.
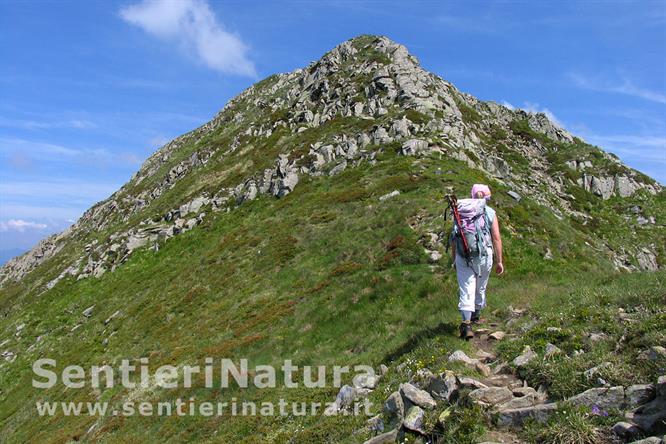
pixel 328 275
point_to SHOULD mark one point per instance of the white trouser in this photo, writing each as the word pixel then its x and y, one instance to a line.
pixel 472 287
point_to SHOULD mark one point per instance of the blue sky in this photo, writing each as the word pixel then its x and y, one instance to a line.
pixel 89 88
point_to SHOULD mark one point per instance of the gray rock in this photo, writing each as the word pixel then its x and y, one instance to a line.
pixel 345 397
pixel 496 166
pixel 516 417
pixel 461 356
pixel 483 369
pixel 112 317
pixel 485 356
pixel 394 408
pixel 413 147
pixel 526 356
pixel 338 168
pixel 639 394
pixel 88 311
pixel 136 241
pixel 651 417
pixel 518 403
pixel 596 337
pixel 417 396
pixel 661 386
pixel 654 353
pixel 524 391
pixel 594 371
pixel 466 382
pixel 497 336
pixel 414 419
pixel 626 430
pixel 491 395
pixel 647 260
pixel 444 386
pixel 604 398
pixel 389 195
pixel 515 195
pixel 385 438
pixel 650 440
pixel 551 351
pixel 375 424
pixel 365 381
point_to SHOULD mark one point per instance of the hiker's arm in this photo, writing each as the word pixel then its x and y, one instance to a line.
pixel 497 246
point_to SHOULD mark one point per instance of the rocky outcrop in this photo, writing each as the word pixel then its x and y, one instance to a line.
pixel 618 185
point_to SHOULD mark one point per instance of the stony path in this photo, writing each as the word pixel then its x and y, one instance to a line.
pixel 502 393
pixel 485 348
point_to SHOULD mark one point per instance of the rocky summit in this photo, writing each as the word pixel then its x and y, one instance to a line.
pixel 305 221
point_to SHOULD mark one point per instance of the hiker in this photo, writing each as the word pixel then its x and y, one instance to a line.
pixel 480 236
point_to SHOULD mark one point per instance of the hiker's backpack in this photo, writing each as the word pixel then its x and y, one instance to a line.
pixel 471 227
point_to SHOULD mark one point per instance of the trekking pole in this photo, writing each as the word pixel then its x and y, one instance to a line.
pixel 453 204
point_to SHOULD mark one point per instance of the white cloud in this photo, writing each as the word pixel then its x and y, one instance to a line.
pixel 625 87
pixel 192 25
pixel 31 124
pixel 508 105
pixel 535 108
pixel 70 191
pixel 22 152
pixel 20 225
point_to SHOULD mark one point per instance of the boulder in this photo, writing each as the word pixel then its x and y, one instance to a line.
pixel 345 397
pixel 651 417
pixel 415 419
pixel 365 381
pixel 518 403
pixel 526 356
pixel 516 417
pixel 626 430
pixel 417 396
pixel 650 440
pixel 375 424
pixel 497 336
pixel 491 395
pixel 639 394
pixel 604 398
pixel 483 369
pixel 654 353
pixel 384 438
pixel 460 356
pixel 394 409
pixel 413 147
pixel 523 391
pixel 466 382
pixel 444 386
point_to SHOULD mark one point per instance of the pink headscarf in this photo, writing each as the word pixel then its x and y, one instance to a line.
pixel 478 187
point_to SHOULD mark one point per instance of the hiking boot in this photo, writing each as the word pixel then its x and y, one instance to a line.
pixel 466 331
pixel 476 318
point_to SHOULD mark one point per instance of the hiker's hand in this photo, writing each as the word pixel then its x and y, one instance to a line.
pixel 500 268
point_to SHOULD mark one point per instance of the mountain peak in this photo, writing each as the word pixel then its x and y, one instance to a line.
pixel 375 48
pixel 363 98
